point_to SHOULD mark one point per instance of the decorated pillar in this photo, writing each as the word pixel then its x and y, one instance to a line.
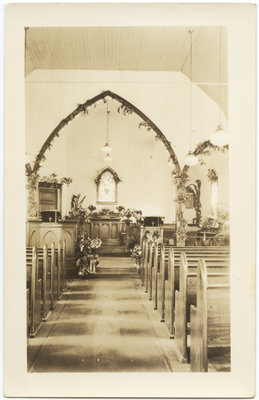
pixel 32 193
pixel 181 196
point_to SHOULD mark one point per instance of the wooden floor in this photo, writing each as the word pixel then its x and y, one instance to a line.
pixel 103 324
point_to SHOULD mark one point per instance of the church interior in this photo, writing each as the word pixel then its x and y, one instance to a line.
pixel 127 228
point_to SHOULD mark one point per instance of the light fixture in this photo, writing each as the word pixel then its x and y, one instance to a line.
pixel 190 159
pixel 107 158
pixel 107 148
pixel 219 137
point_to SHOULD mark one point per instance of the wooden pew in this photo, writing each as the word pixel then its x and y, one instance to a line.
pixel 210 320
pixel 161 285
pixel 170 294
pixel 149 272
pixel 35 296
pixel 46 279
pixel 154 276
pixel 170 274
pixel 146 265
pixel 186 295
pixel 59 262
pixel 193 253
pixel 54 277
pixel 143 261
pixel 162 275
pixel 45 257
pixel 46 283
pixel 28 305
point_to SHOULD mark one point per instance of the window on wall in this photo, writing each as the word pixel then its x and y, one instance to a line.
pixel 107 192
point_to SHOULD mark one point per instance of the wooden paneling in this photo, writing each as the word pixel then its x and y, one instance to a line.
pixel 69 243
pixel 40 233
pixel 49 238
pixel 107 230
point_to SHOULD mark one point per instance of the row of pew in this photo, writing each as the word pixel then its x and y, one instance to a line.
pixel 45 282
pixel 190 288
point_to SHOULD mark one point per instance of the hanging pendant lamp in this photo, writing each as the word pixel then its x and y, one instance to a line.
pixel 107 148
pixel 107 158
pixel 190 159
pixel 220 137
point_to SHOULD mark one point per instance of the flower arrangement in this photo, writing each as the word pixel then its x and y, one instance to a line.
pixel 156 237
pixel 153 236
pixel 120 209
pixel 87 259
pixel 130 215
pixel 208 222
pixel 77 211
pixel 91 208
pixel 212 175
pixel 136 253
pixel 95 243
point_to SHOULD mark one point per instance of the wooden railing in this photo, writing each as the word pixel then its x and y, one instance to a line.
pixel 46 279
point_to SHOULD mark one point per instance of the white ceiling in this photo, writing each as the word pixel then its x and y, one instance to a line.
pixel 133 48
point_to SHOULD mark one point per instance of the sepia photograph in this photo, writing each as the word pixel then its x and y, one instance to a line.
pixel 129 206
pixel 127 194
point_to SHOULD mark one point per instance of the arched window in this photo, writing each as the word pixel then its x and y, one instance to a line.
pixel 106 182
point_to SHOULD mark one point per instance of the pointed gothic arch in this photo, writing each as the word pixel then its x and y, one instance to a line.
pixel 83 108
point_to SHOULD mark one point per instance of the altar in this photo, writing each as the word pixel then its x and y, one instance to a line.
pixel 107 229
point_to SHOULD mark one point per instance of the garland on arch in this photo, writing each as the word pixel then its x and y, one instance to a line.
pixel 204 149
pixel 125 108
pixel 54 181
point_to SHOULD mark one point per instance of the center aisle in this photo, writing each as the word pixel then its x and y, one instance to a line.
pixel 102 324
